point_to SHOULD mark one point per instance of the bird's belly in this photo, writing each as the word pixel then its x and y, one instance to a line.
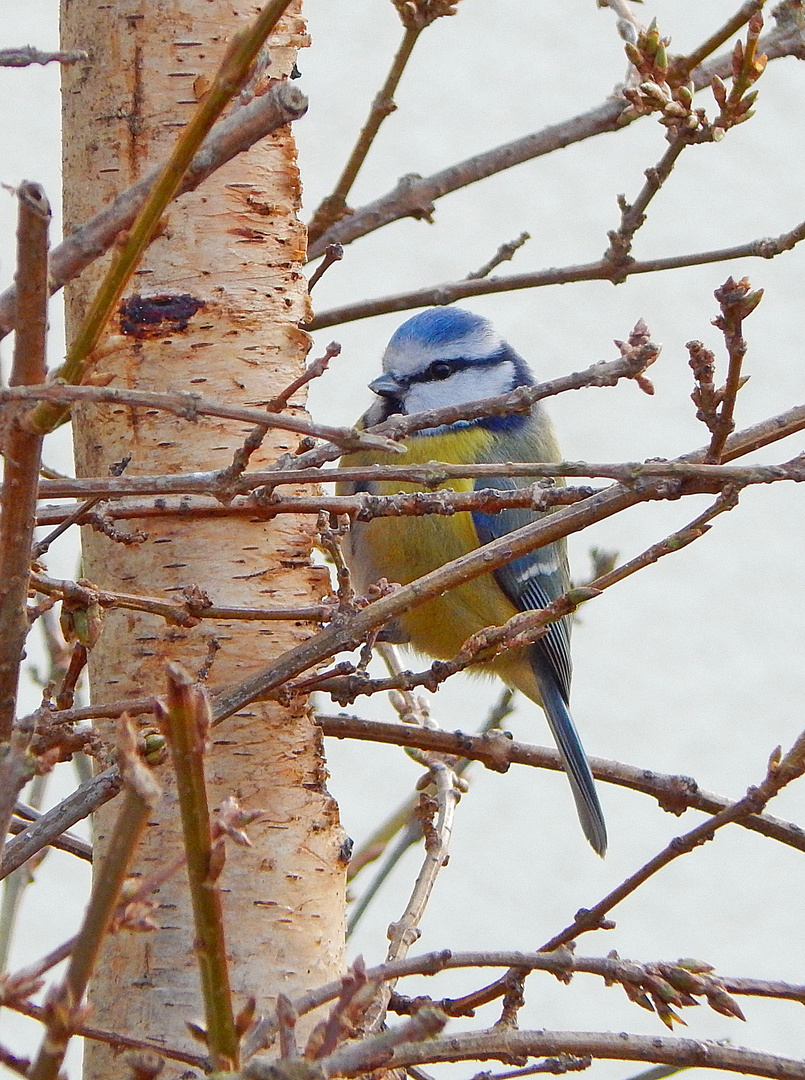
pixel 402 550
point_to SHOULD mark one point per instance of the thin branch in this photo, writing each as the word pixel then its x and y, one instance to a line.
pixel 118 1041
pixel 737 303
pixel 633 215
pixel 414 196
pixel 23 448
pixel 403 823
pixel 780 773
pixel 333 254
pixel 505 253
pixel 404 933
pixel 428 475
pixel 681 66
pixel 671 1050
pixel 68 842
pixel 64 1009
pixel 334 206
pixel 27 55
pixel 79 514
pixel 560 523
pixel 195 606
pixel 496 752
pixel 562 963
pixel 190 406
pixel 600 270
pixel 254 439
pixel 77 806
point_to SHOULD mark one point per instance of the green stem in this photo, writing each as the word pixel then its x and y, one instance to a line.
pixel 185 721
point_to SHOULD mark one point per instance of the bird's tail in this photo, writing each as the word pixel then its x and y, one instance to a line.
pixel 569 745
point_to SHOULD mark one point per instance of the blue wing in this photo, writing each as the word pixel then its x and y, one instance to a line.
pixel 530 582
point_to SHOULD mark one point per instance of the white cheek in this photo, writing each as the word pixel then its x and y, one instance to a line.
pixel 433 395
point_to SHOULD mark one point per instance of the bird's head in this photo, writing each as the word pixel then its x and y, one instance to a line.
pixel 446 356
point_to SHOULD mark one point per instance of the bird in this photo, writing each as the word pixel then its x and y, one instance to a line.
pixel 449 356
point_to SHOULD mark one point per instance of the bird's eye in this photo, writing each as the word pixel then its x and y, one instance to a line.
pixel 441 369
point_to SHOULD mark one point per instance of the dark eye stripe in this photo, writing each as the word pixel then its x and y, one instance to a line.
pixel 457 363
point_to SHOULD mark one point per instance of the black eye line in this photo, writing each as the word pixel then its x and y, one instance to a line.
pixel 457 363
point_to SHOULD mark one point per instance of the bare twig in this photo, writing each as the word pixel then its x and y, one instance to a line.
pixel 404 933
pixel 505 253
pixel 64 1009
pixel 23 448
pixel 672 1050
pixel 58 819
pixel 68 842
pixel 27 55
pixel 562 963
pixel 189 406
pixel 414 196
pixel 333 254
pixel 118 1041
pixel 633 215
pixel 430 475
pixel 415 18
pixel 737 303
pixel 600 270
pixel 681 66
pixel 195 606
pixel 255 438
pixel 780 773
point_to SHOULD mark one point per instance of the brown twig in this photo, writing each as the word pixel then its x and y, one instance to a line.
pixel 334 253
pixel 672 1050
pixel 633 215
pixel 23 448
pixel 600 270
pixel 276 404
pixel 737 303
pixel 415 18
pixel 64 1009
pixel 77 806
pixel 195 606
pixel 431 474
pixel 118 1041
pixel 68 842
pixel 681 66
pixel 190 406
pixel 414 196
pixel 27 55
pixel 505 253
pixel 779 773
pixel 184 719
pixel 562 963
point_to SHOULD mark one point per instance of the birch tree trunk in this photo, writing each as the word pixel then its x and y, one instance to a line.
pixel 222 297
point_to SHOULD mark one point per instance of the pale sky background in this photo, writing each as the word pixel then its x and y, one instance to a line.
pixel 693 666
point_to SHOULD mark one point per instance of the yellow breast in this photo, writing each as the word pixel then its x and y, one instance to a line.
pixel 402 549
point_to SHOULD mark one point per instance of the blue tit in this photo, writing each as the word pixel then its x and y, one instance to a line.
pixel 446 356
